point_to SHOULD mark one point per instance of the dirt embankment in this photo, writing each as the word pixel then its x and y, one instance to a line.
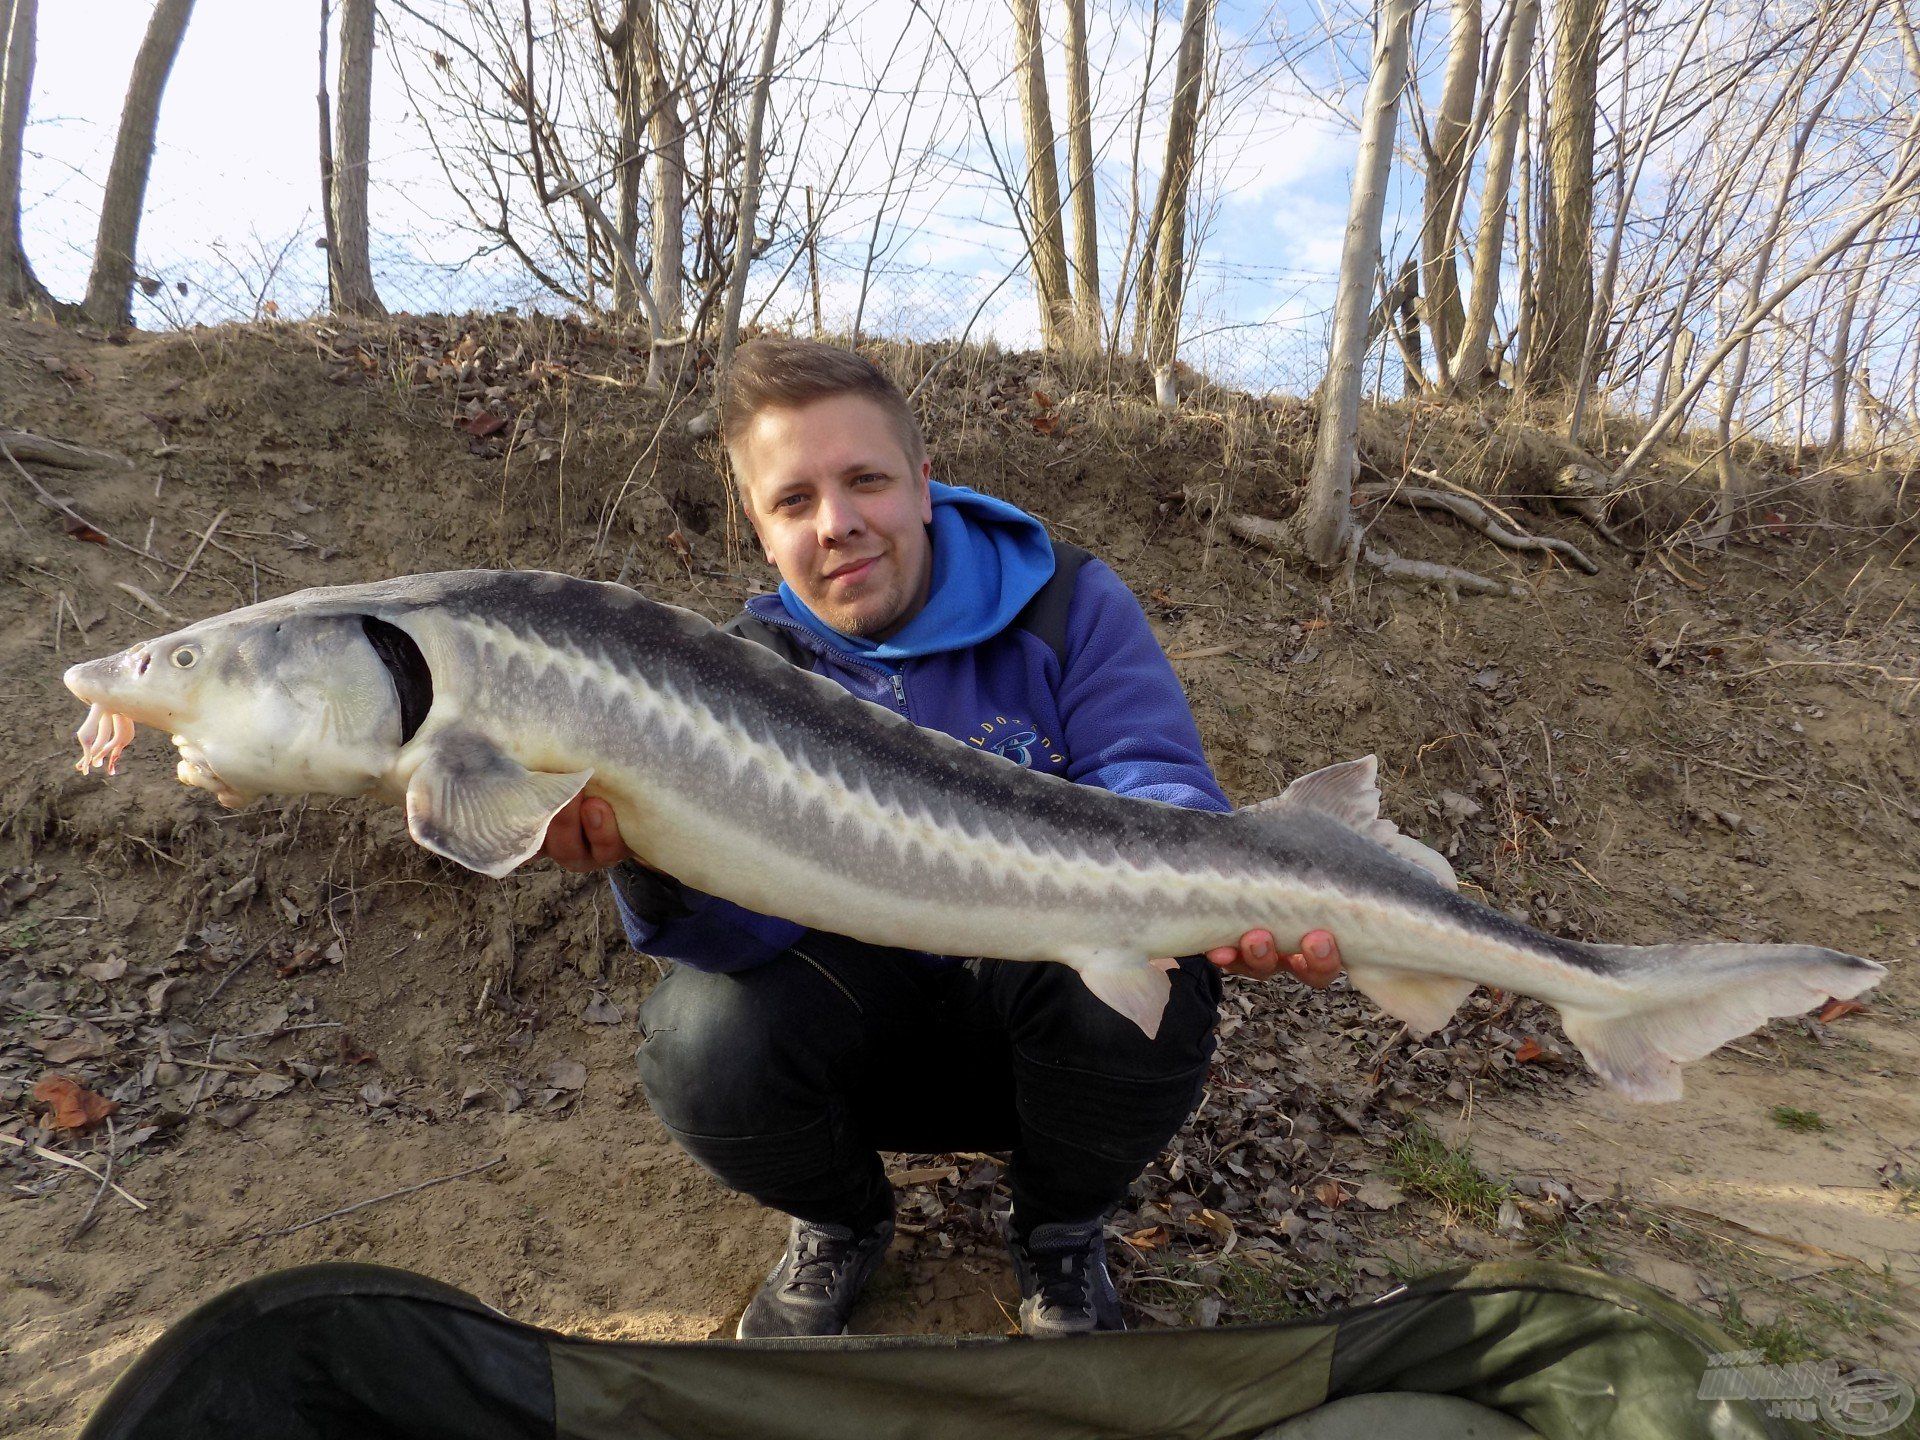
pixel 297 1010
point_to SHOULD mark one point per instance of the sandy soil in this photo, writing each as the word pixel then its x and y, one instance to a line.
pixel 1645 755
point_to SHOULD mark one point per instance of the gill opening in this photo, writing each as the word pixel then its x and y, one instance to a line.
pixel 412 680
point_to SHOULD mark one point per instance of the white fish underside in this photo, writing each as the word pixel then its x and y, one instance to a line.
pixel 777 790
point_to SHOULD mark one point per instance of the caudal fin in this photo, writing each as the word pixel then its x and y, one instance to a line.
pixel 1699 998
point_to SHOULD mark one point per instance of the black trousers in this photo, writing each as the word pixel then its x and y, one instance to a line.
pixel 786 1081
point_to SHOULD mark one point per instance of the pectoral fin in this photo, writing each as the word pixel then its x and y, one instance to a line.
pixel 472 803
pixel 1138 989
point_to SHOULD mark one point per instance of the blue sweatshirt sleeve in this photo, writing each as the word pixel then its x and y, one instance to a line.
pixel 1127 724
pixel 676 922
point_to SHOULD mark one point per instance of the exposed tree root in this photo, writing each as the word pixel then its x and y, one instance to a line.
pixel 1583 491
pixel 1274 535
pixel 1479 515
pixel 58 454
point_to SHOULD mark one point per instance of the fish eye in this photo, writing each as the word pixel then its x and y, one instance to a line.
pixel 185 657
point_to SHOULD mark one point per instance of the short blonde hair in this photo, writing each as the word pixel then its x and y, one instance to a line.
pixel 777 374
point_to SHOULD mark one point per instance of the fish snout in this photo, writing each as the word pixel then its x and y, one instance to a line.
pixel 103 682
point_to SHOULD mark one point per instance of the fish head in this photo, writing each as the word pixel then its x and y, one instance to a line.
pixel 257 703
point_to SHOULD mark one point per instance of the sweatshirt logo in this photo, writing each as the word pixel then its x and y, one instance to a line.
pixel 1017 740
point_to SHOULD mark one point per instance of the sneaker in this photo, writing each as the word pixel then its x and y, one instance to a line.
pixel 812 1289
pixel 1065 1286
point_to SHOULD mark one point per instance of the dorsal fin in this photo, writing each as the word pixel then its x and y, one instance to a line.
pixel 1350 793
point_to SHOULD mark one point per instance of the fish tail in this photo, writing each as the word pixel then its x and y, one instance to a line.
pixel 1699 997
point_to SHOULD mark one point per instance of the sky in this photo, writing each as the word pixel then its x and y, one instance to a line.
pixel 233 199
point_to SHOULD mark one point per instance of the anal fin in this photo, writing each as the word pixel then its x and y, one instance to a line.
pixel 1425 1002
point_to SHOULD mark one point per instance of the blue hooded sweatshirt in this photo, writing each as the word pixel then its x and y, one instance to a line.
pixel 1113 715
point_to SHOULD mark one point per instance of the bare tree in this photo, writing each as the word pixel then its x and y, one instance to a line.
pixel 748 211
pixel 1448 155
pixel 18 21
pixel 1471 363
pixel 349 254
pixel 1045 239
pixel 110 286
pixel 17 44
pixel 1564 288
pixel 1323 526
pixel 1163 258
pixel 1080 181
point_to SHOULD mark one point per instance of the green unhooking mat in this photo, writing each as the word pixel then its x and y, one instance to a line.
pixel 1507 1351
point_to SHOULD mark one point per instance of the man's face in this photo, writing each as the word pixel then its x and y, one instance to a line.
pixel 841 511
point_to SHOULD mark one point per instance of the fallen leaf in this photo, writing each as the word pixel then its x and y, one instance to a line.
pixel 1330 1193
pixel 1214 1223
pixel 1529 1050
pixel 1153 1237
pixel 87 1042
pixel 482 424
pixel 72 1105
pixel 232 1117
pixel 1377 1194
pixel 1834 1009
pixel 80 530
pixel 157 994
pixel 566 1075
pixel 602 1011
pixel 923 1174
pixel 111 968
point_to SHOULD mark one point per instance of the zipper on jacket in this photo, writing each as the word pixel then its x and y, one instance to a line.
pixel 832 979
pixel 894 677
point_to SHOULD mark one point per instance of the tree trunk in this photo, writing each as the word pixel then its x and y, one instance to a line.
pixel 1086 225
pixel 1447 164
pixel 1164 263
pixel 110 286
pixel 1470 360
pixel 1324 524
pixel 668 137
pixel 749 209
pixel 1565 290
pixel 18 25
pixel 349 263
pixel 1843 342
pixel 1046 242
pixel 630 114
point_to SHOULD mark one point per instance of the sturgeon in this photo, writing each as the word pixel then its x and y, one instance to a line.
pixel 484 701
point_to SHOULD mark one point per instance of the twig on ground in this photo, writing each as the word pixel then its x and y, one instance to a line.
pixel 93 1205
pixel 228 978
pixel 194 559
pixel 41 1152
pixel 377 1199
pixel 145 599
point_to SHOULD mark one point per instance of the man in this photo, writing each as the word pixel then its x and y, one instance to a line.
pixel 784 1060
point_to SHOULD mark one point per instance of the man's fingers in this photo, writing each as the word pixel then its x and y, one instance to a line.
pixel 602 832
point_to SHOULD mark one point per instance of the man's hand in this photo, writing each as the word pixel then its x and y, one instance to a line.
pixel 583 836
pixel 1259 958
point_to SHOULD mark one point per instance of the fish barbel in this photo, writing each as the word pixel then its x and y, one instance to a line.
pixel 484 701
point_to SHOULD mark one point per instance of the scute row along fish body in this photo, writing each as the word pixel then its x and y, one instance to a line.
pixel 484 701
